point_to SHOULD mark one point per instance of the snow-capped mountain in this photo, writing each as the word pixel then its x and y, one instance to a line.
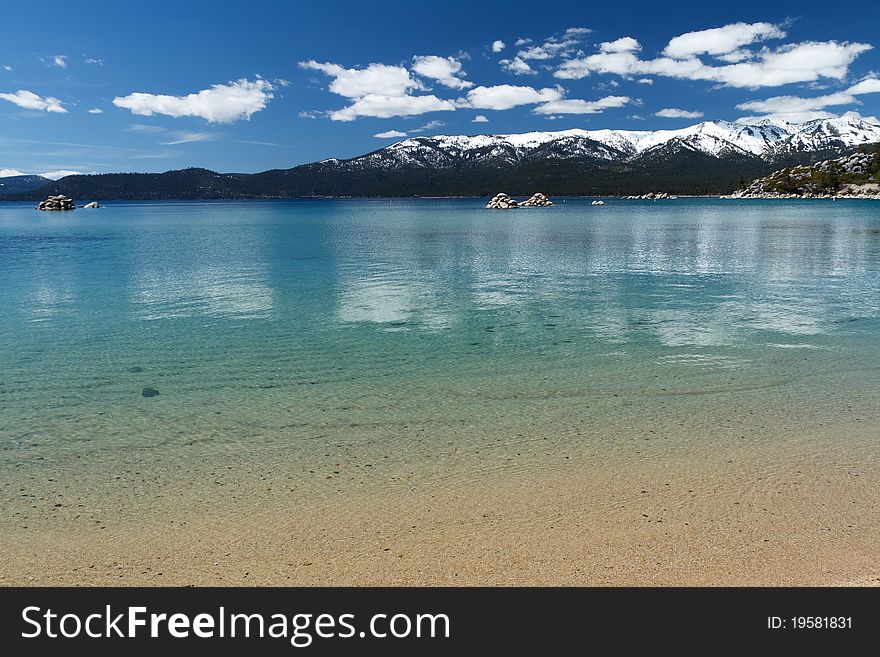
pixel 707 158
pixel 765 139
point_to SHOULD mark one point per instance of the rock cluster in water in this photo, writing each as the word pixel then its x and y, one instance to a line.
pixel 538 200
pixel 502 201
pixel 650 196
pixel 59 202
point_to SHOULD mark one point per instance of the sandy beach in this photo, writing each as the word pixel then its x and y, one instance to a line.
pixel 767 501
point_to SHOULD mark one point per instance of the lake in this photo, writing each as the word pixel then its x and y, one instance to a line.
pixel 351 350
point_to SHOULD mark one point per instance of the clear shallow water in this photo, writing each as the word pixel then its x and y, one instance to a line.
pixel 413 322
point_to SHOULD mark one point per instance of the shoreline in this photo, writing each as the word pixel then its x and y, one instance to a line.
pixel 620 197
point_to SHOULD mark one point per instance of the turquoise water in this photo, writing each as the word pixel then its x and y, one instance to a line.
pixel 414 322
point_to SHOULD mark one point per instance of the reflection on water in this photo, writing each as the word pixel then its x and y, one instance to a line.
pixel 206 274
pixel 701 273
pixel 681 275
pixel 312 319
pixel 211 291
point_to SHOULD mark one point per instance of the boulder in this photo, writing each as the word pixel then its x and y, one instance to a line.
pixel 502 201
pixel 91 206
pixel 538 200
pixel 59 202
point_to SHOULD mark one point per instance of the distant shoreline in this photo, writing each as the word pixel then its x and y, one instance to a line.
pixel 450 198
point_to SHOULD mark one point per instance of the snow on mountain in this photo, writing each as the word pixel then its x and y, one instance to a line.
pixel 765 138
pixel 820 133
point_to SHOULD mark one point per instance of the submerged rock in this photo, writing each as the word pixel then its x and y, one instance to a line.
pixel 134 368
pixel 149 392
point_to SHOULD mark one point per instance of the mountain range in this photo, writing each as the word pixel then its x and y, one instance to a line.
pixel 20 184
pixel 706 158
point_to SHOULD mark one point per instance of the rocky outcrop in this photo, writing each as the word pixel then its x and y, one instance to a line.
pixel 91 206
pixel 598 203
pixel 537 200
pixel 850 176
pixel 59 202
pixel 650 196
pixel 502 201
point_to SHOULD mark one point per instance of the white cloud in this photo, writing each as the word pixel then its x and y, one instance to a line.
pixel 735 56
pixel 506 96
pixel 623 44
pixel 390 134
pixel 30 100
pixel 93 60
pixel 60 61
pixel 61 173
pixel 430 125
pixel 645 81
pixel 521 42
pixel 549 49
pixel 577 31
pixel 7 67
pixel 577 106
pixel 674 113
pixel 256 142
pixel 184 137
pixel 868 86
pixel 385 107
pixel 721 40
pixel 498 45
pixel 479 118
pixel 375 79
pixel 141 127
pixel 222 103
pixel 96 110
pixel 801 62
pixel 8 173
pixel 534 52
pixel 446 70
pixel 796 117
pixel 378 90
pixel 796 108
pixel 517 66
pixel 795 104
pixel 619 63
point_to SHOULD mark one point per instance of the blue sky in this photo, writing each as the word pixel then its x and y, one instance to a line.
pixel 249 86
